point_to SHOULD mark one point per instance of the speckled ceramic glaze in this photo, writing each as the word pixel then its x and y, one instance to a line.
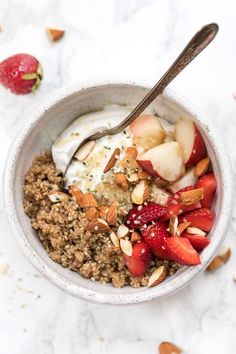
pixel 43 126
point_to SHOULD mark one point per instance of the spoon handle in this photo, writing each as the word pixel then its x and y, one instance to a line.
pixel 196 45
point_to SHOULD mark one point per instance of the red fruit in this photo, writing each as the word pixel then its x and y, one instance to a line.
pixel 181 251
pixel 155 236
pixel 208 182
pixel 21 73
pixel 140 259
pixel 141 215
pixel 174 207
pixel 198 242
pixel 202 218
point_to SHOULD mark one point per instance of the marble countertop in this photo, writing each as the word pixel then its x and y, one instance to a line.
pixel 113 38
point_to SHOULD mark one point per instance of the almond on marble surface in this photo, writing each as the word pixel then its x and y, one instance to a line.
pixel 55 34
pixel 169 348
pixel 216 263
pixel 157 276
pixel 225 254
pixel 111 162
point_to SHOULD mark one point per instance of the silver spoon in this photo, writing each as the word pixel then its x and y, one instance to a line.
pixel 196 45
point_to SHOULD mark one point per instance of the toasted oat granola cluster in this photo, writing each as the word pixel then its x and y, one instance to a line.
pixel 62 227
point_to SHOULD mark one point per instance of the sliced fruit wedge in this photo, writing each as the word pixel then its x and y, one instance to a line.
pixel 189 179
pixel 209 184
pixel 189 138
pixel 164 161
pixel 140 259
pixel 198 242
pixel 147 131
pixel 155 236
pixel 181 251
pixel 202 218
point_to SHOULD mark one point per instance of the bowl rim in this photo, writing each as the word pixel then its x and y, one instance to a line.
pixel 169 287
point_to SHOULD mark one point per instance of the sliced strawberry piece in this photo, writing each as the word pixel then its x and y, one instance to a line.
pixel 144 214
pixel 181 251
pixel 202 218
pixel 174 207
pixel 155 236
pixel 208 182
pixel 198 242
pixel 140 259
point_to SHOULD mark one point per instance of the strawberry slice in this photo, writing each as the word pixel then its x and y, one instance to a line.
pixel 198 242
pixel 155 236
pixel 140 259
pixel 202 218
pixel 144 214
pixel 181 251
pixel 174 207
pixel 208 182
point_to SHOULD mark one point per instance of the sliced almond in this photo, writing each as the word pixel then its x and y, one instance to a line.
pixel 140 193
pixel 121 181
pixel 103 210
pixel 98 226
pixel 225 254
pixel 126 247
pixel 191 197
pixel 92 213
pixel 195 231
pixel 182 227
pixel 55 34
pixel 135 236
pixel 112 214
pixel 114 239
pixel 57 196
pixel 133 178
pixel 143 175
pixel 216 263
pixel 122 231
pixel 173 225
pixel 88 200
pixel 132 152
pixel 157 276
pixel 202 167
pixel 76 192
pixel 169 348
pixel 111 162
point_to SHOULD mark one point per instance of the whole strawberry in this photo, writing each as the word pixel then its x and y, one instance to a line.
pixel 21 73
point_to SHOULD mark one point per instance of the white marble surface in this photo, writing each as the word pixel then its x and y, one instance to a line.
pixel 133 38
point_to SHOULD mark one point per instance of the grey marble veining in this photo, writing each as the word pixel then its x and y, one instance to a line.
pixel 139 39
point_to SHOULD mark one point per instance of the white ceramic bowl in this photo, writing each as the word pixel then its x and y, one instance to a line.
pixel 42 127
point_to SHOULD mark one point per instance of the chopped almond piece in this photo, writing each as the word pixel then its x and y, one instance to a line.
pixel 88 200
pixel 202 167
pixel 135 236
pixel 76 192
pixel 103 209
pixel 121 181
pixel 57 196
pixel 157 276
pixel 173 225
pixel 122 231
pixel 182 227
pixel 92 213
pixel 114 239
pixel 55 34
pixel 129 160
pixel 220 259
pixel 143 175
pixel 169 348
pixel 225 254
pixel 132 151
pixel 112 214
pixel 126 247
pixel 140 193
pixel 111 162
pixel 133 178
pixel 98 226
pixel 195 231
pixel 191 197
